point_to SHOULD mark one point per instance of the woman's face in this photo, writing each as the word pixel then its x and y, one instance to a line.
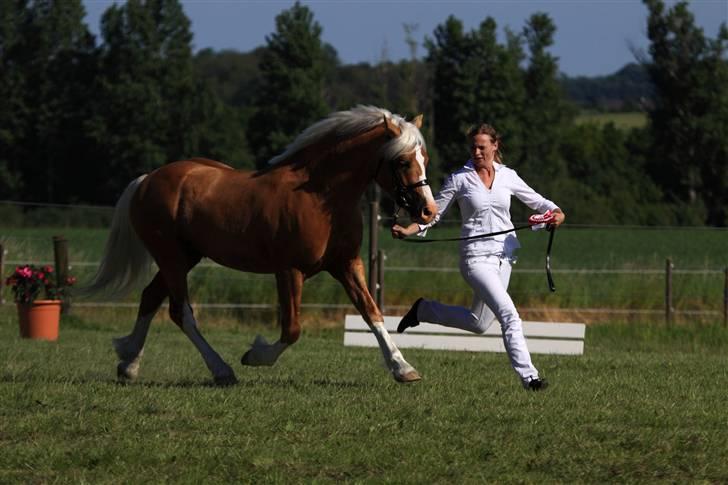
pixel 483 149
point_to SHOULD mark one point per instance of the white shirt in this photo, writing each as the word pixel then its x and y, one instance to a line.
pixel 485 210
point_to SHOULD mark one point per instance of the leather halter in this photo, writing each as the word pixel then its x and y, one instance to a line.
pixel 404 195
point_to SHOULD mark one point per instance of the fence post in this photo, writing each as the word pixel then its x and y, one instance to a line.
pixel 381 257
pixel 60 252
pixel 373 244
pixel 725 298
pixel 2 273
pixel 668 291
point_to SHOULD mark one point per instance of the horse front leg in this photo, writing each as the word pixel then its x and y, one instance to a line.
pixel 290 287
pixel 351 276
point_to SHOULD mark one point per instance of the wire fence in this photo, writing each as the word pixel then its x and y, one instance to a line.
pixel 407 280
pixel 624 276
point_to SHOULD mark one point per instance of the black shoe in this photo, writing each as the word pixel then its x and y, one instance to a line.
pixel 410 319
pixel 537 384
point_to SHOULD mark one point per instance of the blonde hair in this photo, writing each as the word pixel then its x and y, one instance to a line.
pixel 345 124
pixel 486 129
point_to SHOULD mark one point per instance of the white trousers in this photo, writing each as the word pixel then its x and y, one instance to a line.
pixel 488 276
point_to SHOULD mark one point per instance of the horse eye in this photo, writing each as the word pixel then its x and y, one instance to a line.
pixel 403 163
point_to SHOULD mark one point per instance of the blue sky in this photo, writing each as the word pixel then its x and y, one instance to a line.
pixel 593 37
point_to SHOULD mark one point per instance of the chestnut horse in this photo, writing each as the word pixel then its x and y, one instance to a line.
pixel 295 218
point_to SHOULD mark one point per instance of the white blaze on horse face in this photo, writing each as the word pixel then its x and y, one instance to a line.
pixel 420 157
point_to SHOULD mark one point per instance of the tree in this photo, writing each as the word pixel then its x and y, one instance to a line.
pixel 12 102
pixel 689 123
pixel 48 60
pixel 447 56
pixel 151 107
pixel 290 97
pixel 545 115
pixel 475 80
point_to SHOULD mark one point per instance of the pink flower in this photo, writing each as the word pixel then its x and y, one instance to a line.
pixel 24 272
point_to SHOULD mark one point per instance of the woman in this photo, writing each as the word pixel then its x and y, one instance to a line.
pixel 483 190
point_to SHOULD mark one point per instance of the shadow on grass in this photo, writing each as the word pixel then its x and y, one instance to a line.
pixel 252 382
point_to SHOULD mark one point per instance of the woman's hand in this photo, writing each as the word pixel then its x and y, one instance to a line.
pixel 559 217
pixel 399 232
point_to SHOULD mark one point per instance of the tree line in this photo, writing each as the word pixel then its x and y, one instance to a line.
pixel 80 117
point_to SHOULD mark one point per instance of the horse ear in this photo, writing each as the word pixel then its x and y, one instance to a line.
pixel 417 121
pixel 392 127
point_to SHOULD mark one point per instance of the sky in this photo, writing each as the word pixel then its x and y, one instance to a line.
pixel 593 37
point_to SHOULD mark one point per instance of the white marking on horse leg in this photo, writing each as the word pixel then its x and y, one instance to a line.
pixel 400 368
pixel 222 372
pixel 130 348
pixel 263 353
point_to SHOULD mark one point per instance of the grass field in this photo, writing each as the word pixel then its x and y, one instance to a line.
pixel 644 404
pixel 624 121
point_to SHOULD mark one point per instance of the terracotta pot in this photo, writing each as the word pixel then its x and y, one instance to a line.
pixel 40 319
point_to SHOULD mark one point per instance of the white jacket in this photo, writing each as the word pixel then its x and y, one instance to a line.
pixel 486 210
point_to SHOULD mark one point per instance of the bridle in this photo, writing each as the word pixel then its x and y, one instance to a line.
pixel 404 195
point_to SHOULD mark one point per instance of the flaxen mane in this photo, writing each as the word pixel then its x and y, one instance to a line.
pixel 345 124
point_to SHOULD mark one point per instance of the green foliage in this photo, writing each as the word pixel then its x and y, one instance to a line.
pixel 291 94
pixel 545 115
pixel 475 80
pixel 148 103
pixel 46 57
pixel 233 76
pixel 79 120
pixel 689 123
pixel 628 89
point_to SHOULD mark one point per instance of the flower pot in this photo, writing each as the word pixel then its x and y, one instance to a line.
pixel 40 319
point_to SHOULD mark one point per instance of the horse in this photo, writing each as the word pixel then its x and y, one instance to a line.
pixel 294 218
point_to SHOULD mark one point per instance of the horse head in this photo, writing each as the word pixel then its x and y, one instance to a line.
pixel 407 159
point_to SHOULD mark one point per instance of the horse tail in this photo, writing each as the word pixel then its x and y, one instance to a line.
pixel 126 263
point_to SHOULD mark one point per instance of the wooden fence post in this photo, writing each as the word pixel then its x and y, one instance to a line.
pixel 373 245
pixel 381 257
pixel 60 252
pixel 668 291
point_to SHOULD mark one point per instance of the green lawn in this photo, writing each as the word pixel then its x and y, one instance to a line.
pixel 624 121
pixel 644 404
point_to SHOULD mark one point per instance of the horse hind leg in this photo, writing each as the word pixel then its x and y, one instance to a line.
pixel 174 266
pixel 130 348
pixel 181 313
pixel 290 287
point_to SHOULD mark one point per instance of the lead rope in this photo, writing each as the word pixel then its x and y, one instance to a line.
pixel 552 230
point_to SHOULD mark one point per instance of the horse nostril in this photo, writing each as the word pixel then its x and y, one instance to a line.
pixel 427 212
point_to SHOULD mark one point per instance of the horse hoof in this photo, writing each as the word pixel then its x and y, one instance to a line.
pixel 224 381
pixel 127 371
pixel 411 376
pixel 246 359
